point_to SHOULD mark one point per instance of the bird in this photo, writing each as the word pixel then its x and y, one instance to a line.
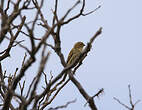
pixel 73 54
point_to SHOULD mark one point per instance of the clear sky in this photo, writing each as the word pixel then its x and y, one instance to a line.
pixel 114 61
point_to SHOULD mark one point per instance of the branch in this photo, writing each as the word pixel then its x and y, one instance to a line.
pixel 80 14
pixel 101 91
pixel 63 106
pixel 130 100
pixel 40 71
pixel 8 19
pixel 121 103
pixel 85 14
pixel 83 92
pixel 18 43
pixel 6 54
pixel 55 13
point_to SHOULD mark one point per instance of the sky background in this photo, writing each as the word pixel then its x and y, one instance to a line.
pixel 114 61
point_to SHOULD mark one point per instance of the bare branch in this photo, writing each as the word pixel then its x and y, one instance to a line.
pixel 63 106
pixel 80 14
pixel 41 68
pixel 18 43
pixel 85 14
pixel 130 100
pixel 30 87
pixel 83 92
pixel 55 13
pixel 96 95
pixel 6 54
pixel 22 87
pixel 121 103
pixel 63 18
pixel 11 47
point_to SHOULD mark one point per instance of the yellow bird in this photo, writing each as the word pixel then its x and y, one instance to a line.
pixel 74 53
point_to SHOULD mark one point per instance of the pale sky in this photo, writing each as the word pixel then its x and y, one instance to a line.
pixel 114 61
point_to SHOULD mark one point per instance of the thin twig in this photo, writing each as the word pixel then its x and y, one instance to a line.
pixel 63 106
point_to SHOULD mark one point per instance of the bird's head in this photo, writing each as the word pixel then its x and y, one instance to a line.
pixel 79 45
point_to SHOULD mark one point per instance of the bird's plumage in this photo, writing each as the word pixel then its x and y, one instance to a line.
pixel 75 52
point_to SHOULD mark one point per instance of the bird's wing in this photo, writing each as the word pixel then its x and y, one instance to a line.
pixel 70 55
